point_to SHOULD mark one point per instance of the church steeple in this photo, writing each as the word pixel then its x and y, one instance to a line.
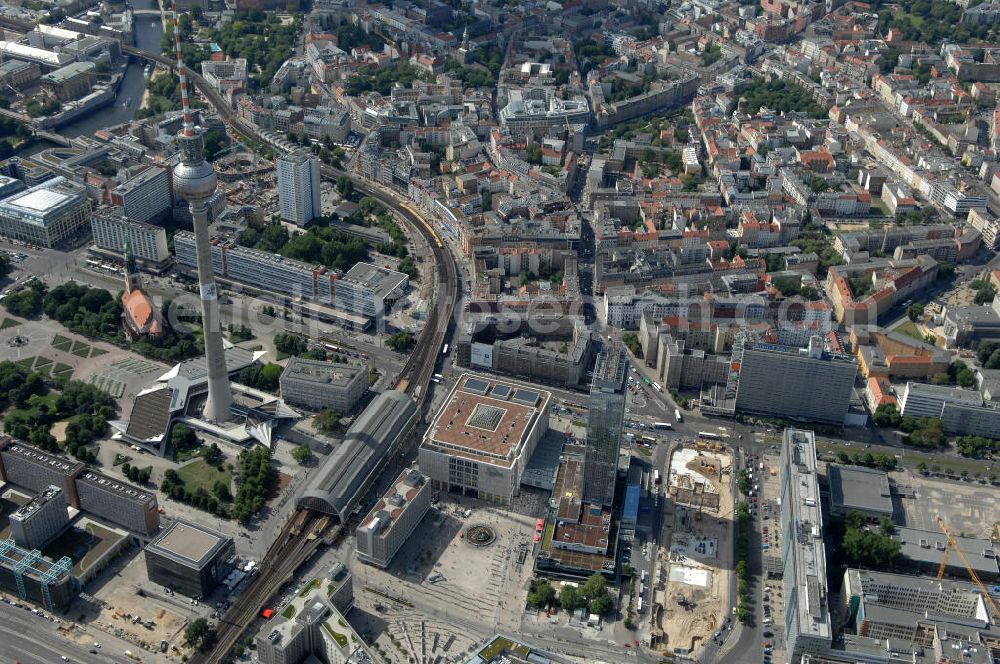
pixel 132 278
pixel 465 39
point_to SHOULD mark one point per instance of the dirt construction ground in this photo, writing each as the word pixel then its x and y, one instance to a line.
pixel 692 577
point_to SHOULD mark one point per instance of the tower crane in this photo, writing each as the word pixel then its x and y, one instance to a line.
pixel 952 544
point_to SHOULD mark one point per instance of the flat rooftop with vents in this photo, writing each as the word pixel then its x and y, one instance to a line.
pixel 857 489
pixel 487 420
pixel 188 544
pixel 484 422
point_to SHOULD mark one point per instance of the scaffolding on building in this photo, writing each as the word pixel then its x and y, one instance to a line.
pixel 23 562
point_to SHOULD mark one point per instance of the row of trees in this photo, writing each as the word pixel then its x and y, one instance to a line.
pixel 814 239
pixel 863 544
pixel 930 22
pixel 95 313
pixel 988 354
pixel 262 377
pixel 977 447
pixel 26 302
pixel 373 213
pixel 199 634
pixel 884 462
pixel 631 341
pixel 320 244
pixel 239 332
pixel 400 342
pixel 164 95
pixel 257 479
pixel 593 595
pixel 384 78
pixel 328 421
pixel 780 96
pixel 38 108
pixel 87 409
pixel 294 344
pixel 742 561
pixel 985 291
pixel 262 38
pixel 137 474
pixel 215 503
pixel 928 433
pixel 12 133
pixel 791 287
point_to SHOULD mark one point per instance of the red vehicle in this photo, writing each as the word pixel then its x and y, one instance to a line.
pixel 267 614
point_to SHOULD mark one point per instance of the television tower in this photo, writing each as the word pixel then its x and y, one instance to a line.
pixel 195 182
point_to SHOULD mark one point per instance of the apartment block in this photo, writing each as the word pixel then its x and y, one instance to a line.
pixel 803 384
pixel 923 400
pixel 298 188
pixel 146 242
pixel 260 269
pixel 145 196
pixel 680 367
pixel 924 550
pixel 393 519
pixel 317 632
pixel 806 625
pixel 38 521
pixel 556 350
pixel 908 608
pixel 987 225
pixel 34 469
pixel 118 502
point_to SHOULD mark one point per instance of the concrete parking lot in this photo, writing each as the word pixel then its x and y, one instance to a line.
pixel 439 576
pixel 969 508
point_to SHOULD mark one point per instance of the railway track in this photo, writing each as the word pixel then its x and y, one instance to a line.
pixel 305 531
pixel 298 540
pixel 303 534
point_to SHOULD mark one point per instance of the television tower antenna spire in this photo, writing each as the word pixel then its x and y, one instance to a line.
pixel 195 181
pixel 182 73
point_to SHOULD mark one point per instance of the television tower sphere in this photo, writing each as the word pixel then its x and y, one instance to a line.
pixel 194 178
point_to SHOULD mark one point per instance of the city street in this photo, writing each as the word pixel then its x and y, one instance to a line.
pixel 30 639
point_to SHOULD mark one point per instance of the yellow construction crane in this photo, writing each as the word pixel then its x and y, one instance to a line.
pixel 952 544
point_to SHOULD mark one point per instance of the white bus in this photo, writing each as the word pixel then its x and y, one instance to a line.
pixel 708 435
pixel 657 386
pixel 662 425
pixel 445 351
pixel 677 415
pixel 656 477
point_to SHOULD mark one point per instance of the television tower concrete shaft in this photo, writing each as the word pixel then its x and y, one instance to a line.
pixel 195 182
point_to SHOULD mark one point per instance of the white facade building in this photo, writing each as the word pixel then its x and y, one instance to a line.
pixel 298 188
pixel 38 521
pixel 391 522
pixel 146 241
pixel 145 196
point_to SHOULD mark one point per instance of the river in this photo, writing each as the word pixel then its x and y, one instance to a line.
pixel 148 34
